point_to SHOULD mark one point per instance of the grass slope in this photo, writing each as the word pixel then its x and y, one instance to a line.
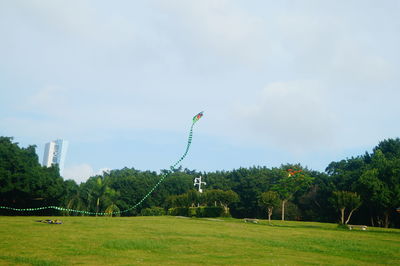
pixel 184 241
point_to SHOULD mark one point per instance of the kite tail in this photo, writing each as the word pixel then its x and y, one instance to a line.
pixel 189 142
pixel 172 167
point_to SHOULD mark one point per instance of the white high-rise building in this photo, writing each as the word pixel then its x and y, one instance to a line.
pixel 54 153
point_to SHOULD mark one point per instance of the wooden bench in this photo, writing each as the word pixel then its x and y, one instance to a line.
pixel 250 220
pixel 362 227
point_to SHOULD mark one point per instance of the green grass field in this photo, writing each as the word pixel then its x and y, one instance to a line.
pixel 185 241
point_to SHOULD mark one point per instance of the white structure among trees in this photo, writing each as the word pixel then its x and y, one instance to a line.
pixel 55 153
pixel 198 182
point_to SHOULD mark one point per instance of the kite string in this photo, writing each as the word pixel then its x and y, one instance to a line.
pixel 189 142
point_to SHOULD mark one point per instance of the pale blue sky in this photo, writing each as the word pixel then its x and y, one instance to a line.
pixel 305 82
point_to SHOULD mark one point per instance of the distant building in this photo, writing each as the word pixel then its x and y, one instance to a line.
pixel 54 153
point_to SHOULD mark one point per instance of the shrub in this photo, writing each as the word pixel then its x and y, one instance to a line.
pixel 111 209
pixel 292 212
pixel 199 212
pixel 214 211
pixel 153 211
pixel 178 211
pixel 193 212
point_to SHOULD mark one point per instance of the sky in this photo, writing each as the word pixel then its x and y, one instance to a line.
pixel 279 82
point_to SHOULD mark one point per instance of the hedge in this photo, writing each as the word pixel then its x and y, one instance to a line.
pixel 153 211
pixel 197 211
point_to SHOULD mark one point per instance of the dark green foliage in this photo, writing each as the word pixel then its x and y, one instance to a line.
pixel 98 194
pixel 345 200
pixel 374 176
pixel 24 182
pixel 200 212
pixel 192 212
pixel 249 184
pixel 217 197
pixel 314 204
pixel 213 211
pixel 269 200
pixel 153 211
pixel 292 212
pixel 291 184
pixel 178 211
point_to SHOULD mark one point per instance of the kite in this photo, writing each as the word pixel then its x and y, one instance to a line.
pixel 292 172
pixel 197 117
pixel 189 142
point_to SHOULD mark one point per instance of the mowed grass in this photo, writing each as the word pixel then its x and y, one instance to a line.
pixel 186 241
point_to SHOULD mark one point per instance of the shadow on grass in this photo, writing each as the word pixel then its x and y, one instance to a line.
pixel 290 225
pixel 342 248
pixel 137 244
pixel 31 261
pixel 375 230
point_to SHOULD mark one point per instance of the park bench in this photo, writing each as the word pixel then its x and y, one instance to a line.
pixel 250 220
pixel 362 227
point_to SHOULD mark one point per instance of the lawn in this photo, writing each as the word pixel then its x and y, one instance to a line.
pixel 186 241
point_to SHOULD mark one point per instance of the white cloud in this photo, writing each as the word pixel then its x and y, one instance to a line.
pixel 51 100
pixel 294 115
pixel 355 64
pixel 220 31
pixel 88 71
pixel 81 172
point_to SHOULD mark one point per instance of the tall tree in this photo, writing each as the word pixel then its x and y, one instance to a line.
pixel 98 190
pixel 379 184
pixel 269 200
pixel 24 182
pixel 291 183
pixel 343 200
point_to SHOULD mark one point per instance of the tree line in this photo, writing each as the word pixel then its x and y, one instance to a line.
pixel 365 188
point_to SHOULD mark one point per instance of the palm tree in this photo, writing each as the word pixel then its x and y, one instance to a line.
pixel 98 190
